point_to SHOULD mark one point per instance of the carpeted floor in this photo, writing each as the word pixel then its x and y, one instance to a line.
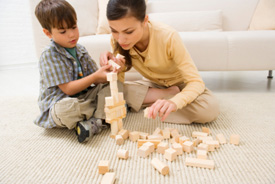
pixel 30 154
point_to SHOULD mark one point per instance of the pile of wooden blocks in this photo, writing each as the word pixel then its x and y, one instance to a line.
pixel 201 142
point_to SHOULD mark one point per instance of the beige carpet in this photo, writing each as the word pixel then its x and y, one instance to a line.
pixel 30 154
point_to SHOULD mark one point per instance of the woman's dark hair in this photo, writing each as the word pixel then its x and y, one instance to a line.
pixel 118 9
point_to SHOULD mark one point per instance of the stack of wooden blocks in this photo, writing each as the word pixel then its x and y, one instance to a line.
pixel 114 106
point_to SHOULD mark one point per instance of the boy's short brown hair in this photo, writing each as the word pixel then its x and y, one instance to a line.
pixel 53 14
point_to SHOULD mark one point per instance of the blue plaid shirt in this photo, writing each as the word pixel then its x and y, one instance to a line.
pixel 57 66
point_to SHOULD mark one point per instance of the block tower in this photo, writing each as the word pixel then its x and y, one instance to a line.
pixel 114 106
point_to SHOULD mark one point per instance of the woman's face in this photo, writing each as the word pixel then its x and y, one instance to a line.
pixel 127 31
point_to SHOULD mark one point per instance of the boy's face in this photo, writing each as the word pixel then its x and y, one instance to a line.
pixel 65 37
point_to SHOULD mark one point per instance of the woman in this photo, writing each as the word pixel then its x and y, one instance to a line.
pixel 173 87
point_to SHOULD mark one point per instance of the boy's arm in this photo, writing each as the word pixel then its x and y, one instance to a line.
pixel 76 86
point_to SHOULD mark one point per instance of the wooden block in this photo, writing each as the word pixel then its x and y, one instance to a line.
pixel 235 139
pixel 123 154
pixel 124 133
pixel 158 131
pixel 221 138
pixel 212 145
pixel 188 146
pixel 111 76
pixel 162 147
pixel 142 141
pixel 196 142
pixel 143 151
pixel 133 136
pixel 182 139
pixel 120 96
pixel 207 138
pixel 120 125
pixel 166 133
pixel 108 178
pixel 199 163
pixel 103 166
pixel 178 148
pixel 114 64
pixel 206 130
pixel 119 56
pixel 119 140
pixel 202 154
pixel 155 137
pixel 143 135
pixel 160 166
pixel 150 145
pixel 109 101
pixel 175 133
pixel 146 111
pixel 199 134
pixel 170 154
pixel 202 146
pixel 114 128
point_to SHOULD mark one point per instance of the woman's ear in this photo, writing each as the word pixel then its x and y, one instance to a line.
pixel 146 19
pixel 47 33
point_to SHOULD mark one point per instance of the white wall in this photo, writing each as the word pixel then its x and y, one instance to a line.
pixel 17 45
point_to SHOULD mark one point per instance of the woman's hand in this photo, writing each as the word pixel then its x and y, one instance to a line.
pixel 105 57
pixel 162 108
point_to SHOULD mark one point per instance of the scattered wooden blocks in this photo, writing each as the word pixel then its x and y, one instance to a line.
pixel 119 140
pixel 199 134
pixel 196 162
pixel 143 135
pixel 108 178
pixel 162 147
pixel 103 166
pixel 166 133
pixel 202 146
pixel 158 131
pixel 196 142
pixel 235 139
pixel 212 142
pixel 150 145
pixel 170 154
pixel 182 139
pixel 207 138
pixel 160 166
pixel 202 154
pixel 123 154
pixel 155 137
pixel 142 141
pixel 188 146
pixel 178 148
pixel 221 138
pixel 124 133
pixel 206 130
pixel 133 136
pixel 143 151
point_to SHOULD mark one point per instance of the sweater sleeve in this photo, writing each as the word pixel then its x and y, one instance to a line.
pixel 191 78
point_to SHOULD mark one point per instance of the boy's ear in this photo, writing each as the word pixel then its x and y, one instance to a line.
pixel 47 33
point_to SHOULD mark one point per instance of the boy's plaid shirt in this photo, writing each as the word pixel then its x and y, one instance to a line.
pixel 57 66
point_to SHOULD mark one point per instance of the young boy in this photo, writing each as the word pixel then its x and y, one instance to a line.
pixel 69 78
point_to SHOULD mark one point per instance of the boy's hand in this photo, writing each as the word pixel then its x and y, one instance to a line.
pixel 101 74
pixel 162 108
